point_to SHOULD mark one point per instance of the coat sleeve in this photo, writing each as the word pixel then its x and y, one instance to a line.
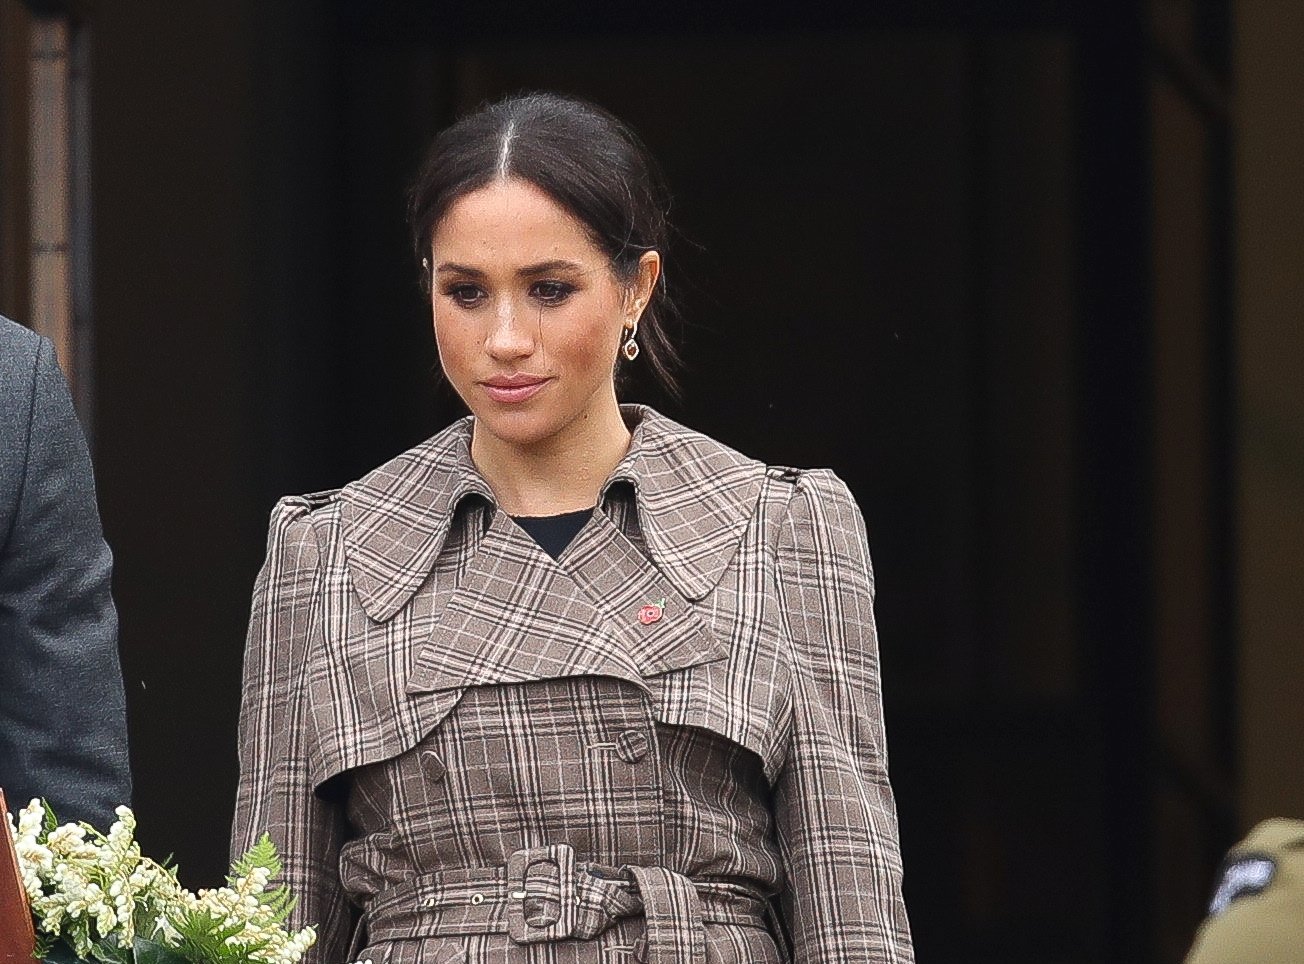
pixel 63 727
pixel 276 795
pixel 834 813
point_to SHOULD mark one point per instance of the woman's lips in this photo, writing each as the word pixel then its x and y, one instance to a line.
pixel 514 389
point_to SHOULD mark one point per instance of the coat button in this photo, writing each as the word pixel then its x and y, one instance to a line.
pixel 432 766
pixel 631 746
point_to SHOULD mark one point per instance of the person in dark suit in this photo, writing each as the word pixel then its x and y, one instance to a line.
pixel 63 733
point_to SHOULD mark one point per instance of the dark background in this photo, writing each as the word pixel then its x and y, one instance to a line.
pixel 1000 269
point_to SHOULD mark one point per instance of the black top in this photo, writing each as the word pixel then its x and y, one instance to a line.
pixel 554 533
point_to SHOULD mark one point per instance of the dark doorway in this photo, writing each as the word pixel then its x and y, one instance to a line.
pixel 917 247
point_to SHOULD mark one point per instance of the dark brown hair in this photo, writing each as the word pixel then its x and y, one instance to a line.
pixel 586 160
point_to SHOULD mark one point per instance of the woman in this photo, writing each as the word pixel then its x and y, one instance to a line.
pixel 568 682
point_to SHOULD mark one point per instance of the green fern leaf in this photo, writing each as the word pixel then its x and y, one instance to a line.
pixel 204 940
pixel 51 822
pixel 261 856
pixel 151 952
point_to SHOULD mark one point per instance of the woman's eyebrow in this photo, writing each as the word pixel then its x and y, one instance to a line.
pixel 529 270
pixel 452 267
pixel 546 267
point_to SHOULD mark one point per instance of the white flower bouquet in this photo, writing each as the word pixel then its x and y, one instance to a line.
pixel 95 898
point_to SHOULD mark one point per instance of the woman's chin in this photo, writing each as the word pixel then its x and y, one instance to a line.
pixel 519 428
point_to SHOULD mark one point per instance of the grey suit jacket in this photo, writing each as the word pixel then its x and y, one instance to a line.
pixel 63 732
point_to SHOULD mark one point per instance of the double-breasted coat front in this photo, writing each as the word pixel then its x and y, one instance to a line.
pixel 666 745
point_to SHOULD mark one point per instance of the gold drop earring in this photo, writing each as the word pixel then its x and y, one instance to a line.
pixel 630 349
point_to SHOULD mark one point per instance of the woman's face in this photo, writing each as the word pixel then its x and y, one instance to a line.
pixel 528 314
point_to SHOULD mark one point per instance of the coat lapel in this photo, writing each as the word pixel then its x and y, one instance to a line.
pixel 694 499
pixel 642 611
pixel 396 518
pixel 515 617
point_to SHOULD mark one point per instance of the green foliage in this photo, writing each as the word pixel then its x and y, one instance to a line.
pixel 99 901
pixel 103 953
pixel 263 856
pixel 55 951
pixel 150 952
pixel 45 948
pixel 50 823
pixel 204 938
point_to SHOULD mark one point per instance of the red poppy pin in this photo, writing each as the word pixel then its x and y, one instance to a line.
pixel 652 612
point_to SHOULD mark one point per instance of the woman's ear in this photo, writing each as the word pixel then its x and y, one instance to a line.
pixel 645 281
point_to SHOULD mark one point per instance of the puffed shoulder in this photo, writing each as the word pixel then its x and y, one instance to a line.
pixel 826 591
pixel 282 615
pixel 288 508
pixel 825 528
pixel 293 550
pixel 291 520
pixel 825 487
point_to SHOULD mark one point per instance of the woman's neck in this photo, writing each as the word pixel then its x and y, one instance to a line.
pixel 561 474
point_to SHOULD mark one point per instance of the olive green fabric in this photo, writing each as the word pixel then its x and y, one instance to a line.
pixel 1266 927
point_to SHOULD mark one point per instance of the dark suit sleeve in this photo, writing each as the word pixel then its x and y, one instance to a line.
pixel 62 716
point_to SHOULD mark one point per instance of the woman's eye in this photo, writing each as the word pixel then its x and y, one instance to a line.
pixel 551 292
pixel 465 296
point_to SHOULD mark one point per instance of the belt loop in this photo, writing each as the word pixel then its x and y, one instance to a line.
pixel 673 912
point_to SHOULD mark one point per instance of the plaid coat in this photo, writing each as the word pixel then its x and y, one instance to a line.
pixel 665 746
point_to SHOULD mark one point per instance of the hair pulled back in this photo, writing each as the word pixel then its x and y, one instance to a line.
pixel 586 160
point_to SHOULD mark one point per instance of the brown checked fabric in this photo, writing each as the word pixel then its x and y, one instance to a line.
pixel 664 746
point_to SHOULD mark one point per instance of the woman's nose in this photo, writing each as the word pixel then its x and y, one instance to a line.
pixel 512 334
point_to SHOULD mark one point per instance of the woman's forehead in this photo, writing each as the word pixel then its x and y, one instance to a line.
pixel 510 219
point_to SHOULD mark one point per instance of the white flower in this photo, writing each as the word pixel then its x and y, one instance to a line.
pixel 93 889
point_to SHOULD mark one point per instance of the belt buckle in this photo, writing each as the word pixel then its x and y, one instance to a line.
pixel 544 876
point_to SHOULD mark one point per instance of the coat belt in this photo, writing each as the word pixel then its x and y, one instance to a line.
pixel 545 894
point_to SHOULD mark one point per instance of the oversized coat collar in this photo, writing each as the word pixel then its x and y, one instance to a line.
pixel 694 498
